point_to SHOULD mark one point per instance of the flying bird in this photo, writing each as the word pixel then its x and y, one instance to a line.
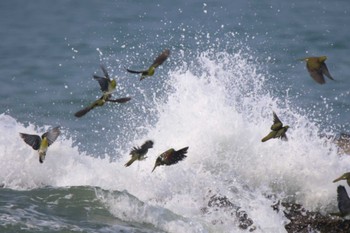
pixel 345 176
pixel 277 130
pixel 108 86
pixel 170 157
pixel 157 62
pixel 138 153
pixel 317 68
pixel 41 143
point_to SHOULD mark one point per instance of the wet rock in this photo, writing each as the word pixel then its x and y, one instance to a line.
pixel 222 203
pixel 304 221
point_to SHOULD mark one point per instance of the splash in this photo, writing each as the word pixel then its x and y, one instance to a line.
pixel 218 104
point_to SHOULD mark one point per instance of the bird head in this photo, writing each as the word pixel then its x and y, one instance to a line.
pixel 158 163
pixel 149 144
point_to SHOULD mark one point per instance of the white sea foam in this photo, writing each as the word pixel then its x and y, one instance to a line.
pixel 220 107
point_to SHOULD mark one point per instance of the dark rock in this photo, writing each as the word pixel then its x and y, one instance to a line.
pixel 222 203
pixel 304 221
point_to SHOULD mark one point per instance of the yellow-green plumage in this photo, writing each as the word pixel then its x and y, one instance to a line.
pixel 108 86
pixel 277 129
pixel 138 153
pixel 317 68
pixel 157 62
pixel 41 144
pixel 345 176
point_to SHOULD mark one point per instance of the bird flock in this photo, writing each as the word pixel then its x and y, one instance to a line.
pixel 108 87
pixel 316 67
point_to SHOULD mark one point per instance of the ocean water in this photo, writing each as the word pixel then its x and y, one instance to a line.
pixel 232 63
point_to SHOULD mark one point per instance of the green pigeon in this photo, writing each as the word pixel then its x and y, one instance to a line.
pixel 108 86
pixel 345 176
pixel 100 102
pixel 170 157
pixel 317 68
pixel 157 62
pixel 277 130
pixel 343 202
pixel 41 143
pixel 138 153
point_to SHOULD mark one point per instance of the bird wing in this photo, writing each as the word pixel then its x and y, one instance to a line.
pixel 277 124
pixel 133 159
pixel 32 140
pixel 52 135
pixel 135 150
pixel 86 110
pixel 343 200
pixel 317 75
pixel 325 71
pixel 120 100
pixel 137 71
pixel 161 58
pixel 176 156
pixel 103 82
pixel 104 70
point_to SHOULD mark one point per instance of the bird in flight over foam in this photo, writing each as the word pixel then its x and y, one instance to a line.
pixel 170 157
pixel 157 62
pixel 42 143
pixel 277 130
pixel 138 153
pixel 108 86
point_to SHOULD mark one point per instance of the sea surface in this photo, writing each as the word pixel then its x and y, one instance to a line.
pixel 232 64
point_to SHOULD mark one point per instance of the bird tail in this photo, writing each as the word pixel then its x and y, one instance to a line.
pixel 269 136
pixel 338 179
pixel 133 71
pixel 129 162
pixel 42 157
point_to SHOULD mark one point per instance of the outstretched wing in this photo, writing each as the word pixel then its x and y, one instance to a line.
pixel 52 135
pixel 104 70
pixel 317 76
pixel 161 58
pixel 325 71
pixel 120 100
pixel 136 71
pixel 32 140
pixel 172 158
pixel 343 200
pixel 103 82
pixel 277 124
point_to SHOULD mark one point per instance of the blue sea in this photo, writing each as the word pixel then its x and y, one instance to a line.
pixel 232 64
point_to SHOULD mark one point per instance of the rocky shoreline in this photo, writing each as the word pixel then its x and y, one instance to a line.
pixel 301 220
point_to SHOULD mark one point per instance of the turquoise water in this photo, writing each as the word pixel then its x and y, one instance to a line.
pixel 232 63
